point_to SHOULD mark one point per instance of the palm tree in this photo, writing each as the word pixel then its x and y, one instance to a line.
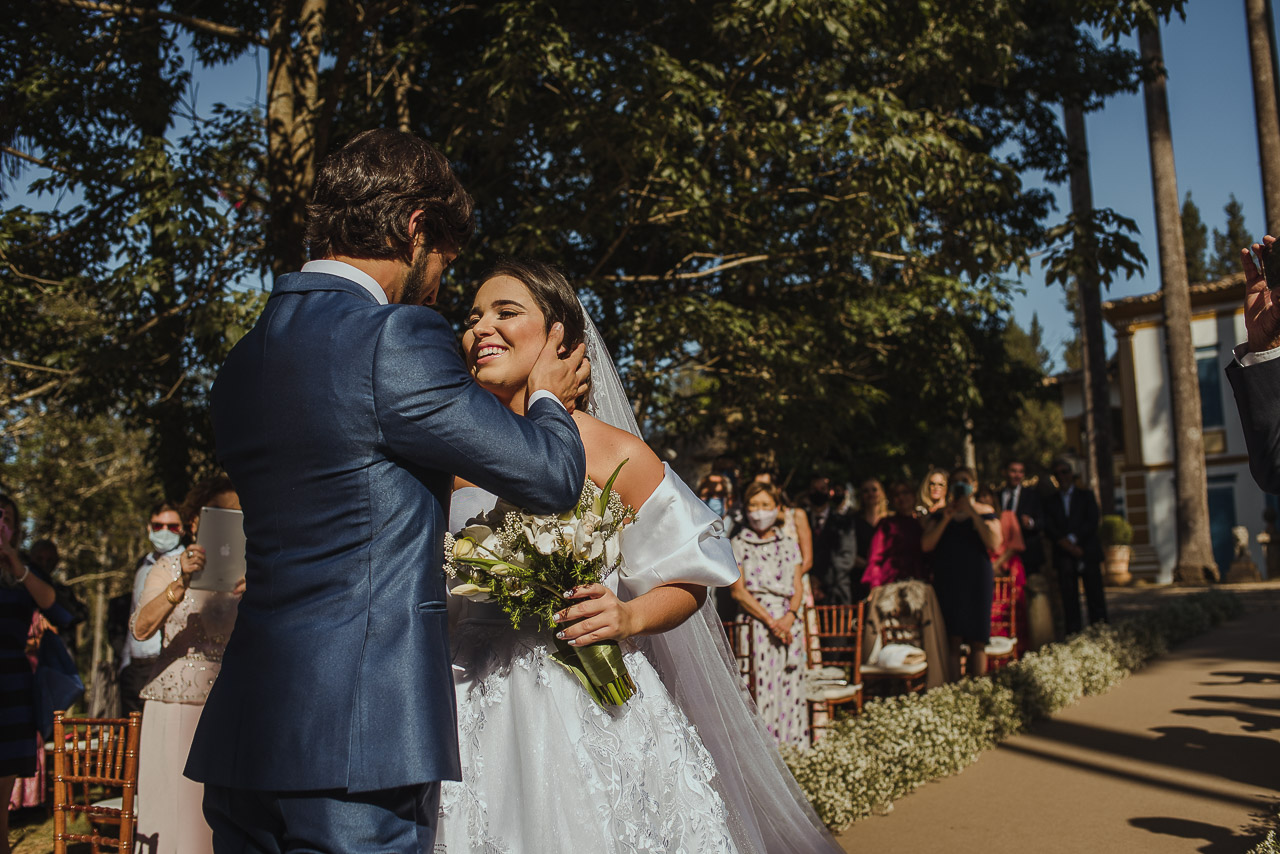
pixel 1195 552
pixel 1097 398
pixel 1262 57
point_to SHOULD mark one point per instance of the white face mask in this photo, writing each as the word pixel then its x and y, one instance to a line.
pixel 164 540
pixel 762 520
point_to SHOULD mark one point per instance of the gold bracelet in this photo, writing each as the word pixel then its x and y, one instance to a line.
pixel 169 590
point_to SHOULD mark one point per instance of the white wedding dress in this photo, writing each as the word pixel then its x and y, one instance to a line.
pixel 685 766
pixel 544 768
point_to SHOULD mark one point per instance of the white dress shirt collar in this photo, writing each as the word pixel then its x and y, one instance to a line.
pixel 346 271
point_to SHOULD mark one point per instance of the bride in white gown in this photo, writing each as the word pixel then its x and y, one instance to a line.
pixel 684 765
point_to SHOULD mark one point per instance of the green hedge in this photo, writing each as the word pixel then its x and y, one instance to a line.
pixel 864 764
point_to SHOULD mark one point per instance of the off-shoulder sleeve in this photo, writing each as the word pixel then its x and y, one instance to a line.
pixel 675 538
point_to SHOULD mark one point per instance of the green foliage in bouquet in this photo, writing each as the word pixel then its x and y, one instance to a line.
pixel 526 563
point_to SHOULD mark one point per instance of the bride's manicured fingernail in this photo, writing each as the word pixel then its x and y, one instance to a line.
pixel 561 635
pixel 568 594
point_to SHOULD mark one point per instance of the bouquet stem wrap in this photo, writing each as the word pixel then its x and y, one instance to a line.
pixel 600 669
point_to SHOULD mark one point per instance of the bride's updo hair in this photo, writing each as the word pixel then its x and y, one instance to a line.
pixel 551 291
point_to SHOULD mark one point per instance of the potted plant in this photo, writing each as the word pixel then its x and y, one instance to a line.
pixel 1116 535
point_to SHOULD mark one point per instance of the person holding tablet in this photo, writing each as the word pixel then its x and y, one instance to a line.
pixel 194 625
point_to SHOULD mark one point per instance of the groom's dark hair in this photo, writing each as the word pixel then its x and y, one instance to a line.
pixel 551 291
pixel 367 190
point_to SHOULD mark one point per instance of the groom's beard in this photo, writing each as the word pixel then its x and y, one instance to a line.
pixel 415 282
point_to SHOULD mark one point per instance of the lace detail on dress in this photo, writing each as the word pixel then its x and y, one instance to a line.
pixel 195 634
pixel 546 769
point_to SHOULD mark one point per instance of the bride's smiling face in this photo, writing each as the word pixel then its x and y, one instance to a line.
pixel 506 330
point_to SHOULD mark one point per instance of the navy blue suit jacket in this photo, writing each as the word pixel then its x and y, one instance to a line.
pixel 1257 391
pixel 342 422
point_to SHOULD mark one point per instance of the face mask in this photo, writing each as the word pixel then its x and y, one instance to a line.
pixel 961 489
pixel 762 520
pixel 716 505
pixel 164 540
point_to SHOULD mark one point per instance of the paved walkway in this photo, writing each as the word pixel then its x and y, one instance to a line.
pixel 1183 756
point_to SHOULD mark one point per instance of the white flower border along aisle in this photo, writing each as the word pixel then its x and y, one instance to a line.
pixel 863 764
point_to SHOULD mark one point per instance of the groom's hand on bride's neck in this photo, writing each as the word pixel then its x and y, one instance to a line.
pixel 564 376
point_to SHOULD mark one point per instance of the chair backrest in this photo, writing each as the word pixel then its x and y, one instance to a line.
pixel 740 640
pixel 839 635
pixel 1004 616
pixel 91 757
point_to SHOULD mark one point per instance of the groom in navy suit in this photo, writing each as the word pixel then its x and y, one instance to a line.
pixel 342 418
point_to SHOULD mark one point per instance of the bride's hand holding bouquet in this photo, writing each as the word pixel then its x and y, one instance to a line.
pixel 530 564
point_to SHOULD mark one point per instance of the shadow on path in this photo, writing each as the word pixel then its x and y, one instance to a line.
pixel 1220 840
pixel 1246 759
pixel 1244 678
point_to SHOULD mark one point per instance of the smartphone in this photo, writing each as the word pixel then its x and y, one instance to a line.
pixel 1270 265
pixel 961 490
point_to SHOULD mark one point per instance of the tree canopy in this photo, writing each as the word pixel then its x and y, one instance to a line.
pixel 793 221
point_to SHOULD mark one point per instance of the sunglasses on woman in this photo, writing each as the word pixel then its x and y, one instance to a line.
pixel 176 527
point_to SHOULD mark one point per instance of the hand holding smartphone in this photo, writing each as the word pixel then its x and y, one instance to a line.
pixel 1268 261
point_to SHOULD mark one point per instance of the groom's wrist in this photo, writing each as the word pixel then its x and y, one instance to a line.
pixel 541 394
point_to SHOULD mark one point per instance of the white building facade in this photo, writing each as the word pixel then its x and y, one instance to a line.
pixel 1145 463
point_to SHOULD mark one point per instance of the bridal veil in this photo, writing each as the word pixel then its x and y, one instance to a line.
pixel 769 814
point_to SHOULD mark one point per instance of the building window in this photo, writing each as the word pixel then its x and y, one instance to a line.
pixel 1211 411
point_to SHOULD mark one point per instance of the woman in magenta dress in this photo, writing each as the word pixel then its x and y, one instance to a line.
pixel 1008 562
pixel 895 547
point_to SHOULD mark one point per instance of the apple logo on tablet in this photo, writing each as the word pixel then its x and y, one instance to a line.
pixel 225 551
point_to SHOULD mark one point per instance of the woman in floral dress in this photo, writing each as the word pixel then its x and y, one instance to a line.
pixel 771 592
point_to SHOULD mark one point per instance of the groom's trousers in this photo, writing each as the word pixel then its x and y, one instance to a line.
pixel 387 821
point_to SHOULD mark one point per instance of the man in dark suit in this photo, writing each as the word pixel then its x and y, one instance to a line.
pixel 1255 373
pixel 342 418
pixel 1025 504
pixel 1071 518
pixel 835 546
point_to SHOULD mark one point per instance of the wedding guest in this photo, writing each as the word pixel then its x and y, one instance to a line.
pixel 961 537
pixel 933 492
pixel 771 593
pixel 1007 561
pixel 1024 501
pixel 138 657
pixel 715 492
pixel 795 523
pixel 873 505
pixel 23 590
pixel 895 553
pixel 835 546
pixel 1254 373
pixel 1071 518
pixel 193 627
pixel 44 555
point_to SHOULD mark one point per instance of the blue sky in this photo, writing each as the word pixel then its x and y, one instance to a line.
pixel 1215 146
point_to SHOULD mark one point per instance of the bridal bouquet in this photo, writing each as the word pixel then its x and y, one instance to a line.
pixel 526 562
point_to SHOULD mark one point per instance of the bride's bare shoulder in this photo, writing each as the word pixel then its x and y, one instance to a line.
pixel 607 446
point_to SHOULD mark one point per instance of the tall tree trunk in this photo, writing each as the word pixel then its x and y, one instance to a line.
pixel 1097 397
pixel 1195 552
pixel 1266 111
pixel 293 106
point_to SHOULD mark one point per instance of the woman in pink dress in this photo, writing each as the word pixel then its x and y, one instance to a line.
pixel 1008 562
pixel 195 626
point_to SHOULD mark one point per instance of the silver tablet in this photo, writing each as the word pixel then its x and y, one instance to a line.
pixel 221 533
